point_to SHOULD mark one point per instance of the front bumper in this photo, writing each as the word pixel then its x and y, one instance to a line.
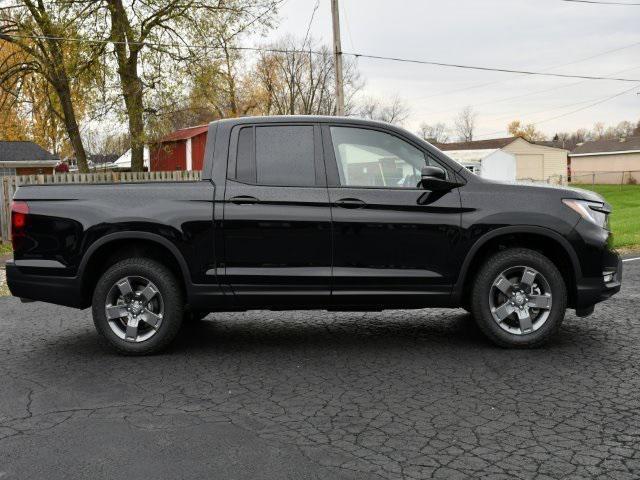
pixel 36 285
pixel 590 291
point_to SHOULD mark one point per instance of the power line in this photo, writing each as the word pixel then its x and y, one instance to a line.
pixel 353 54
pixel 598 102
pixel 345 9
pixel 573 62
pixel 313 14
pixel 488 69
pixel 603 3
pixel 528 94
pixel 619 94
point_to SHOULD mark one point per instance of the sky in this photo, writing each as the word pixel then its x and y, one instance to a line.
pixel 539 35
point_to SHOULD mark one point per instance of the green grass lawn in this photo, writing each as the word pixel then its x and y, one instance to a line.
pixel 625 219
pixel 5 248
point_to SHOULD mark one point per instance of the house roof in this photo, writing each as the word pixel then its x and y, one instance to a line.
pixel 103 158
pixel 604 147
pixel 551 143
pixel 22 151
pixel 491 144
pixel 184 133
pixel 472 156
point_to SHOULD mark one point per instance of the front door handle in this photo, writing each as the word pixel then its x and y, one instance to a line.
pixel 244 200
pixel 350 203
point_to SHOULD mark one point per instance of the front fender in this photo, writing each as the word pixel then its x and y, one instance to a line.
pixel 504 232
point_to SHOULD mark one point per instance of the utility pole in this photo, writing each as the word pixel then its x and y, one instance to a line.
pixel 337 58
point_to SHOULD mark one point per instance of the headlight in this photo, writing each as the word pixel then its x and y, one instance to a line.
pixel 594 212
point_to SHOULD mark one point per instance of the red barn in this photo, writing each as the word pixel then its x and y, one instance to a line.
pixel 180 150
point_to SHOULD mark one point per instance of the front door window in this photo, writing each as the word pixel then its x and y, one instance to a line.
pixel 370 158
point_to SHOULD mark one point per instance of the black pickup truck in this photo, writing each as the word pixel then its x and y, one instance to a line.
pixel 313 213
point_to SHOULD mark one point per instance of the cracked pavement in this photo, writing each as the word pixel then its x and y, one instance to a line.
pixel 397 394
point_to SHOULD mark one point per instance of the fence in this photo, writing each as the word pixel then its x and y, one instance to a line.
pixel 552 180
pixel 9 185
pixel 611 178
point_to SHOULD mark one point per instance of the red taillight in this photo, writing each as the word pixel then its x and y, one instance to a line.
pixel 19 213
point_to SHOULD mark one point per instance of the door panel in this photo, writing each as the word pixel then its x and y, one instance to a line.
pixel 398 242
pixel 277 238
pixel 391 240
pixel 278 241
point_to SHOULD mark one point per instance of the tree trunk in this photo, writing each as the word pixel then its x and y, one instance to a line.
pixel 233 102
pixel 71 125
pixel 62 87
pixel 127 49
pixel 132 91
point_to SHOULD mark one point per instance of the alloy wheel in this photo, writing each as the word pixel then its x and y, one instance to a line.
pixel 134 308
pixel 520 300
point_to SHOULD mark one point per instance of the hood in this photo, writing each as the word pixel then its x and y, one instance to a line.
pixel 544 188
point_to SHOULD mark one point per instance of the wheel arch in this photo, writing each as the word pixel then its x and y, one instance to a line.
pixel 537 238
pixel 114 246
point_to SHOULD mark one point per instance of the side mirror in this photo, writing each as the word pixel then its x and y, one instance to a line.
pixel 435 179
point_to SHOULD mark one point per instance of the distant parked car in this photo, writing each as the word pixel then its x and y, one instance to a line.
pixel 314 213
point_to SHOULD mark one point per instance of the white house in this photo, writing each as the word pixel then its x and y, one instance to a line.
pixel 537 162
pixel 124 162
pixel 492 163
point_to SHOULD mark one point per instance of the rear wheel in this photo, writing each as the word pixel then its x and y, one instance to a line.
pixel 138 306
pixel 519 298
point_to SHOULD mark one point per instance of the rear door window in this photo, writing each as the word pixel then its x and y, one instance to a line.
pixel 276 155
pixel 285 155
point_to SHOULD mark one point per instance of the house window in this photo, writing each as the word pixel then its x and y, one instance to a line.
pixel 7 171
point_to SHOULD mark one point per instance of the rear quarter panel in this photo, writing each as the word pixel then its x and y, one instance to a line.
pixel 66 220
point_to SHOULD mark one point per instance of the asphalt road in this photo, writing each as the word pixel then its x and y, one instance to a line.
pixel 319 395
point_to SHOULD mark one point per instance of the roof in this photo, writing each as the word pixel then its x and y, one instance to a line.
pixel 184 133
pixel 551 143
pixel 21 151
pixel 604 147
pixel 103 158
pixel 474 156
pixel 125 159
pixel 494 143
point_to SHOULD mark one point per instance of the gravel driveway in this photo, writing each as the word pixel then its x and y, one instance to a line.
pixel 297 395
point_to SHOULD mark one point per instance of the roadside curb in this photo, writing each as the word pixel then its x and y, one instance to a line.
pixel 630 254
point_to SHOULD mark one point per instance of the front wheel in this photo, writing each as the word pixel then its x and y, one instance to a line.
pixel 138 306
pixel 519 298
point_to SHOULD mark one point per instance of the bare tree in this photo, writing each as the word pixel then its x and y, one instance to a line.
pixel 393 111
pixel 465 124
pixel 298 78
pixel 598 131
pixel 527 131
pixel 437 133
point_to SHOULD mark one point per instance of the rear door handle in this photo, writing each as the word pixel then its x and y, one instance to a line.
pixel 244 200
pixel 350 203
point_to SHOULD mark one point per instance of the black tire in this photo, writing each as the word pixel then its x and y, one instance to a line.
pixel 171 295
pixel 484 281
